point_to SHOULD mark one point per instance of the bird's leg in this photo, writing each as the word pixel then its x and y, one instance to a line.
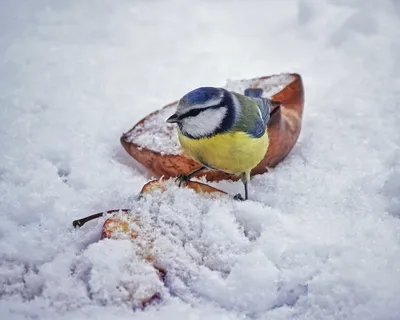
pixel 245 177
pixel 238 197
pixel 246 194
pixel 186 177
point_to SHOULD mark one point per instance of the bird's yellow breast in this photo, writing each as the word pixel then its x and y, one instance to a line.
pixel 232 152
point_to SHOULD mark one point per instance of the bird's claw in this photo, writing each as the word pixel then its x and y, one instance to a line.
pixel 238 197
pixel 182 178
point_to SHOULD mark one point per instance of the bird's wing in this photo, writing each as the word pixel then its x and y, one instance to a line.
pixel 265 105
pixel 253 115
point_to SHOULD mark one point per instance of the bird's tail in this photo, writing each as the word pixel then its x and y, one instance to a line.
pixel 253 92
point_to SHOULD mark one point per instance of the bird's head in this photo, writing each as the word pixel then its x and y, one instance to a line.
pixel 205 112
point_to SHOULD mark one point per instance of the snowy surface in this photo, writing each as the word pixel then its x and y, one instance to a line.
pixel 154 133
pixel 320 238
pixel 157 135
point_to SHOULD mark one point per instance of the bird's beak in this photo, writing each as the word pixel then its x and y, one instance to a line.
pixel 173 119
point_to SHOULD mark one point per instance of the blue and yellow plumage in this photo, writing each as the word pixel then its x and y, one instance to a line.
pixel 223 130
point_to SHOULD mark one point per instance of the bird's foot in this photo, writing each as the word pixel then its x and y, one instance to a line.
pixel 239 197
pixel 182 179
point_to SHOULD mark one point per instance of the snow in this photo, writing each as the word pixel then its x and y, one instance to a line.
pixel 157 135
pixel 320 237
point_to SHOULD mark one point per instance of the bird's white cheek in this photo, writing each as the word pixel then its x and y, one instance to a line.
pixel 205 123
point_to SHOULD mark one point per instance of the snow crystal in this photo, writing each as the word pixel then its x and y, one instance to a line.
pixel 129 279
pixel 155 134
pixel 319 237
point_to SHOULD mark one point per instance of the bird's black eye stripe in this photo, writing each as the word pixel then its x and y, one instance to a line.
pixel 195 112
pixel 191 113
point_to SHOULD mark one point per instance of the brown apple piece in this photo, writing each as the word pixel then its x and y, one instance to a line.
pixel 194 185
pixel 124 225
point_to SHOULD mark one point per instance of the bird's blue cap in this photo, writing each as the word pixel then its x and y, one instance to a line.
pixel 201 95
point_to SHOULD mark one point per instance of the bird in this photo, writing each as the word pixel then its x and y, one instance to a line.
pixel 224 130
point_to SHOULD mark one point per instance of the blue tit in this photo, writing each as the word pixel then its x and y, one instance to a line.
pixel 224 130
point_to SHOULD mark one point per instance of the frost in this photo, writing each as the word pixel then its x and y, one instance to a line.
pixel 155 134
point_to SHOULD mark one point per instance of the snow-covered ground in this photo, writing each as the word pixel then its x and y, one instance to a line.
pixel 321 238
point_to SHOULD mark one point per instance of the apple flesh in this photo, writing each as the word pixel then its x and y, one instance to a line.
pixel 124 224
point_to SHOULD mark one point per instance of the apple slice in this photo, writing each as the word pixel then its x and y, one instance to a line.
pixel 150 187
pixel 194 185
pixel 126 225
pixel 121 226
